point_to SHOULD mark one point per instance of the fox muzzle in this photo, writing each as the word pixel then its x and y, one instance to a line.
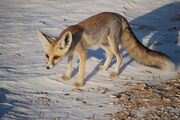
pixel 49 66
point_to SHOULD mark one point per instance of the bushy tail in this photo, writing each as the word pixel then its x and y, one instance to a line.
pixel 141 53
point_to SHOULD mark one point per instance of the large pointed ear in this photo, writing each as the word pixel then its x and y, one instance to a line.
pixel 43 39
pixel 65 41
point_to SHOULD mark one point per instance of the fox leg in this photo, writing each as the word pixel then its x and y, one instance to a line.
pixel 115 50
pixel 108 58
pixel 67 75
pixel 82 56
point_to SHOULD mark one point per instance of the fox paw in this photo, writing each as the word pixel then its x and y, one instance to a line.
pixel 113 75
pixel 78 84
pixel 102 68
pixel 65 77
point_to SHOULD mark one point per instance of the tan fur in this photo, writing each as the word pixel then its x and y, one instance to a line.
pixel 105 30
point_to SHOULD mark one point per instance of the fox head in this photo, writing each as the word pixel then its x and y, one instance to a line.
pixel 55 50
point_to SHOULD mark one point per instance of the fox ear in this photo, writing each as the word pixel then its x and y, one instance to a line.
pixel 65 41
pixel 43 38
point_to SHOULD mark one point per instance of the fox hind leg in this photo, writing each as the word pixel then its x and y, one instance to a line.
pixel 115 50
pixel 108 58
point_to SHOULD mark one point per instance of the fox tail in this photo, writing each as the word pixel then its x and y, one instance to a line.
pixel 141 53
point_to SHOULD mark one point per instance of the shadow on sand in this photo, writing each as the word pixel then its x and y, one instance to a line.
pixel 6 105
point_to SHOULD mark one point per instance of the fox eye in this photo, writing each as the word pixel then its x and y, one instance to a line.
pixel 47 56
pixel 56 57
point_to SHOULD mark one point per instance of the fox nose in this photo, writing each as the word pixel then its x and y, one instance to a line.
pixel 48 67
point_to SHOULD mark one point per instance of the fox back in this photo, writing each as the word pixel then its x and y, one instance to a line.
pixel 96 29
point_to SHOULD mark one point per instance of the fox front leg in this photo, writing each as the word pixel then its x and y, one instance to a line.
pixel 80 80
pixel 67 75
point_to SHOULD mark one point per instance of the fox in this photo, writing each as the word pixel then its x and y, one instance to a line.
pixel 106 30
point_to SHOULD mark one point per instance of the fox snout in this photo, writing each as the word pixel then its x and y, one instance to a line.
pixel 50 66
